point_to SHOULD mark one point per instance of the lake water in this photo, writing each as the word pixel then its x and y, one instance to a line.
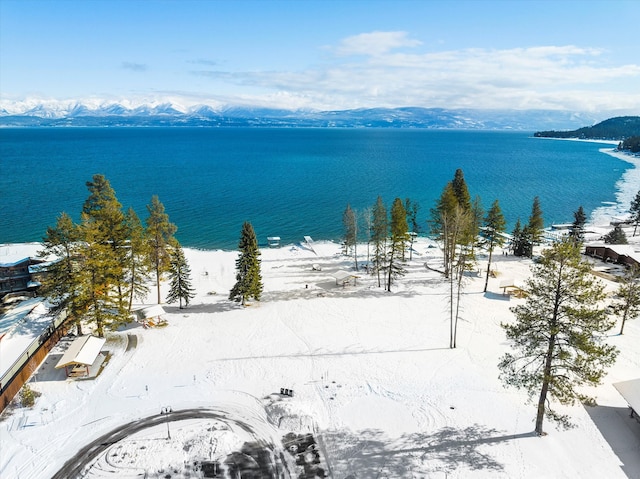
pixel 288 182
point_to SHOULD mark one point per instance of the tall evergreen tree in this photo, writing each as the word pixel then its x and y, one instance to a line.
pixel 180 288
pixel 634 209
pixel 627 304
pixel 522 240
pixel 476 214
pixel 160 233
pixel 367 217
pixel 96 278
pixel 379 228
pixel 61 284
pixel 461 191
pixel 453 205
pixel 248 278
pixel 350 223
pixel 138 263
pixel 397 242
pixel 412 208
pixel 104 210
pixel 578 226
pixel 457 226
pixel 442 218
pixel 536 224
pixel 559 333
pixel 494 227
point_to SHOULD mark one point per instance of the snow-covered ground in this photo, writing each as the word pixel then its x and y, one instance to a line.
pixel 372 375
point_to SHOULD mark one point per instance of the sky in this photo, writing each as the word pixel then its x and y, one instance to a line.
pixel 572 55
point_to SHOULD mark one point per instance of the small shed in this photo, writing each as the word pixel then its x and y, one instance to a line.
pixel 80 355
pixel 630 391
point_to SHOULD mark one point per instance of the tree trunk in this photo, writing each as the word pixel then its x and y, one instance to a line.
pixel 355 253
pixel 390 268
pixel 158 280
pixel 624 315
pixel 486 281
pixel 545 385
pixel 451 311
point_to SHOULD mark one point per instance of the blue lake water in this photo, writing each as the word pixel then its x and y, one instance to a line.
pixel 287 182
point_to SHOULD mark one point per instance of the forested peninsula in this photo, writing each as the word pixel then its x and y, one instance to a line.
pixel 623 128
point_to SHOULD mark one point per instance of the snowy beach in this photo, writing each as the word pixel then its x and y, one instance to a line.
pixel 370 376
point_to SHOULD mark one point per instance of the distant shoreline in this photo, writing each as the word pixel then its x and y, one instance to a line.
pixel 584 140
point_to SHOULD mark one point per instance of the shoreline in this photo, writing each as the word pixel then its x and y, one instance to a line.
pixel 626 189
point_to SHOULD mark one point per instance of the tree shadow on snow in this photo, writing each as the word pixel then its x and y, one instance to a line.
pixel 218 307
pixel 370 453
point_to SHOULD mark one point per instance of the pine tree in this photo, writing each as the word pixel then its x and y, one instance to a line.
pixel 559 332
pixel 180 288
pixel 96 278
pixel 61 283
pixel 379 229
pixel 367 217
pixel 578 226
pixel 350 223
pixel 461 191
pixel 494 227
pixel 412 208
pixel 397 242
pixel 470 240
pixel 627 304
pixel 634 210
pixel 536 224
pixel 160 233
pixel 442 217
pixel 138 264
pixel 248 278
pixel 457 226
pixel 616 236
pixel 105 211
pixel 522 240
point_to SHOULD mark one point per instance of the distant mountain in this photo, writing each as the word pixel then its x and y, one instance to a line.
pixel 114 114
pixel 618 128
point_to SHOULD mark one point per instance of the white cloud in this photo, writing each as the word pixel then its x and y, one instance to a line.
pixel 374 43
pixel 391 69
pixel 559 77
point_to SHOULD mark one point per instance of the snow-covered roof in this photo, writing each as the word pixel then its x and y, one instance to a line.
pixel 18 313
pixel 630 391
pixel 83 350
pixel 619 249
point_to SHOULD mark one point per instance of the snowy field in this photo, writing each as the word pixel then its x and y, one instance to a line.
pixel 373 381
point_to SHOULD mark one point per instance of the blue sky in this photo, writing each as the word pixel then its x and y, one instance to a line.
pixel 577 55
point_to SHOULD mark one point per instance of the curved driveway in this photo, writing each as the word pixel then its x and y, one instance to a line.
pixel 74 466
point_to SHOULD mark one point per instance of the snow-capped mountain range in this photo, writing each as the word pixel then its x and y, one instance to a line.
pixel 168 114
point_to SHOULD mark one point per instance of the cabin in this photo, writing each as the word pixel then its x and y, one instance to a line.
pixel 614 253
pixel 20 276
